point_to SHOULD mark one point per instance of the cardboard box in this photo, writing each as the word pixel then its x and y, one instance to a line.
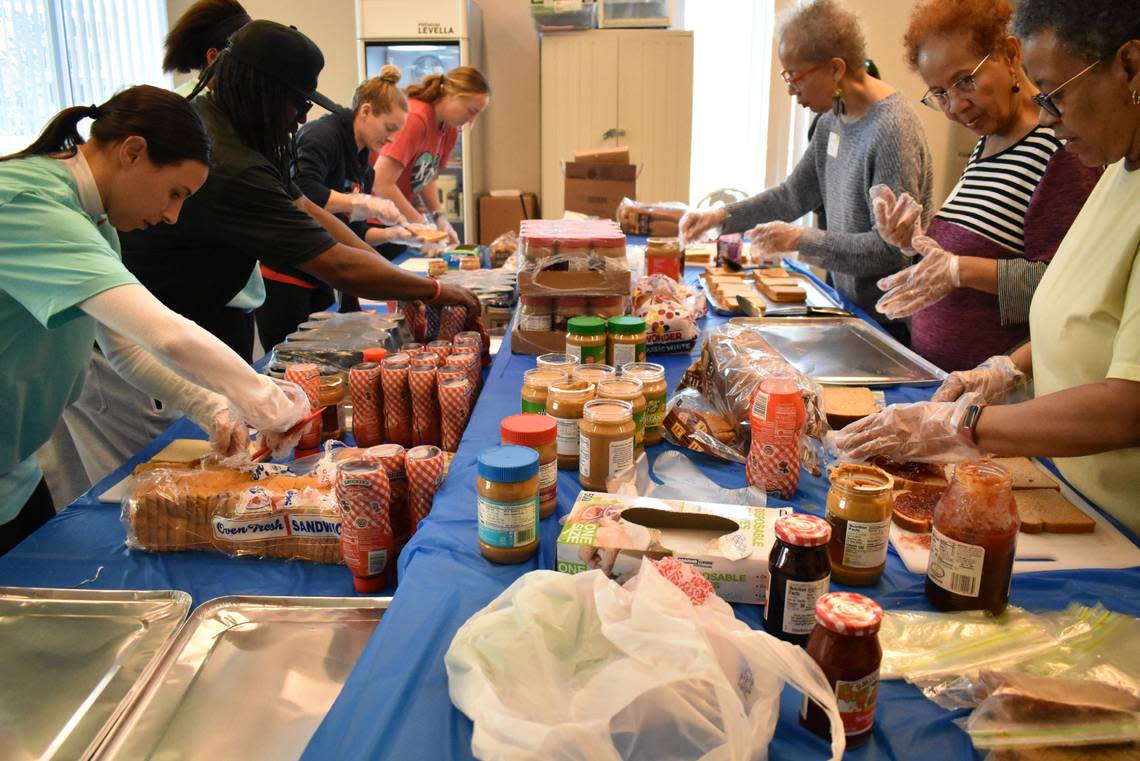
pixel 597 189
pixel 727 544
pixel 498 214
pixel 554 283
pixel 602 156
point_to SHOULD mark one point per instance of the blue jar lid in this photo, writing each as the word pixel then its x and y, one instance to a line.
pixel 509 464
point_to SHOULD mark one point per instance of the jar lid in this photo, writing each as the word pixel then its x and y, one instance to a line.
pixel 848 613
pixel 538 240
pixel 586 326
pixel 374 354
pixel 609 241
pixel 803 530
pixel 571 301
pixel 528 430
pixel 626 325
pixel 509 464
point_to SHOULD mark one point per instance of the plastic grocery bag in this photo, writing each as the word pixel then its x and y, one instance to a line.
pixel 578 668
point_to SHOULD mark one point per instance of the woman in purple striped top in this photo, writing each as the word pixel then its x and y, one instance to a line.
pixel 987 247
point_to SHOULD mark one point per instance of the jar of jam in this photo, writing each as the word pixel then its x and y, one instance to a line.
pixel 508 504
pixel 798 573
pixel 663 256
pixel 611 250
pixel 567 308
pixel 845 645
pixel 973 540
pixel 607 306
pixel 537 251
pixel 540 433
pixel 628 390
pixel 593 373
pixel 586 339
pixel 625 340
pixel 565 401
pixel 859 504
pixel 606 442
pixel 536 382
pixel 576 253
pixel 332 391
pixel 653 388
pixel 535 313
pixel 564 362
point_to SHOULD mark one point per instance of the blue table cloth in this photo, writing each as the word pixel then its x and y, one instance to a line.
pixel 395 704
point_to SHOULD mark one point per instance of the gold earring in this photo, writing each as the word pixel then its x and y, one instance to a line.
pixel 838 105
pixel 1136 97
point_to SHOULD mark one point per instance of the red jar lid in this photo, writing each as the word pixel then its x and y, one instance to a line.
pixel 803 530
pixel 529 430
pixel 374 354
pixel 538 241
pixel 848 613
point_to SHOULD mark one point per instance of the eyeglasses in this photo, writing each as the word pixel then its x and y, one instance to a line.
pixel 1045 101
pixel 794 79
pixel 302 105
pixel 939 100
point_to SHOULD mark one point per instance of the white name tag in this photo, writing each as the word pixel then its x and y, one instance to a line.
pixel 833 145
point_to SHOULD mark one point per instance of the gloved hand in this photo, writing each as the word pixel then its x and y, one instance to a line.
pixel 993 381
pixel 228 434
pixel 773 239
pixel 922 284
pixel 368 206
pixel 921 432
pixel 899 219
pixel 443 225
pixel 694 224
pixel 275 433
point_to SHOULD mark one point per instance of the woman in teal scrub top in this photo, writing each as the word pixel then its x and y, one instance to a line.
pixel 63 286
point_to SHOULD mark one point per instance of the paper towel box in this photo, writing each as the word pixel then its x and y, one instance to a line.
pixel 727 544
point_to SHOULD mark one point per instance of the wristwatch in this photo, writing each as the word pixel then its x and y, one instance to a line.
pixel 970 422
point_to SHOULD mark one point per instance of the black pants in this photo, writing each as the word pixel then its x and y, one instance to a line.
pixel 287 306
pixel 37 511
pixel 900 331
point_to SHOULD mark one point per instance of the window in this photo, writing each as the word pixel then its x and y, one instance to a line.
pixel 60 53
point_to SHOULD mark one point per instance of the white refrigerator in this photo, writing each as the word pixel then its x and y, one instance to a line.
pixel 428 37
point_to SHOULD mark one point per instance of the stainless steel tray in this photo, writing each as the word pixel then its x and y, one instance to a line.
pixel 248 678
pixel 844 351
pixel 816 297
pixel 71 659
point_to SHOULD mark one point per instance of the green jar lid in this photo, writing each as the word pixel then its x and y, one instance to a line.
pixel 626 325
pixel 586 326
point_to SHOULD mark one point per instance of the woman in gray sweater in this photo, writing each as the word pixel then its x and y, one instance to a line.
pixel 868 134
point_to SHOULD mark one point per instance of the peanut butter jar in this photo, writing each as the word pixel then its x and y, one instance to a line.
pixel 540 433
pixel 508 504
pixel 536 382
pixel 593 373
pixel 655 391
pixel 564 362
pixel 626 340
pixel 605 441
pixel 628 390
pixel 565 401
pixel 586 339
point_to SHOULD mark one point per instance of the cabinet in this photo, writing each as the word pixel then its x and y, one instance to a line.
pixel 629 88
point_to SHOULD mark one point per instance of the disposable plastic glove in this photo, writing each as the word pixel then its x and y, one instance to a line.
pixel 921 432
pixel 228 434
pixel 694 224
pixel 773 239
pixel 898 219
pixel 921 284
pixel 367 206
pixel 278 438
pixel 443 225
pixel 993 381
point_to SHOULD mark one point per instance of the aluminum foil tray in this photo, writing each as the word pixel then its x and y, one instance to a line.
pixel 71 659
pixel 246 678
pixel 843 351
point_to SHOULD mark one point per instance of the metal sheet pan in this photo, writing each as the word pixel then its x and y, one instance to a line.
pixel 248 678
pixel 844 351
pixel 816 297
pixel 71 659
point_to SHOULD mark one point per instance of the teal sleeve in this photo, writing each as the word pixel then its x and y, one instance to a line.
pixel 53 258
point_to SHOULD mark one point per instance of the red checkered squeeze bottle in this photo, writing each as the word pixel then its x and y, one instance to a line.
pixel 778 418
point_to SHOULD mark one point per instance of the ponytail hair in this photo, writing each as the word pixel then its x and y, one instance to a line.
pixel 463 80
pixel 171 128
pixel 380 92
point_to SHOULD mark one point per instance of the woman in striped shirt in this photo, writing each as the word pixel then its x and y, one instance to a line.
pixel 987 247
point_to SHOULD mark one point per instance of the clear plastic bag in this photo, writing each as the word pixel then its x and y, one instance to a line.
pixel 671 311
pixel 677 477
pixel 734 361
pixel 503 248
pixel 657 220
pixel 577 668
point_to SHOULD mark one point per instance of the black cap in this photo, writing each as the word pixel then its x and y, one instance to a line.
pixel 282 53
